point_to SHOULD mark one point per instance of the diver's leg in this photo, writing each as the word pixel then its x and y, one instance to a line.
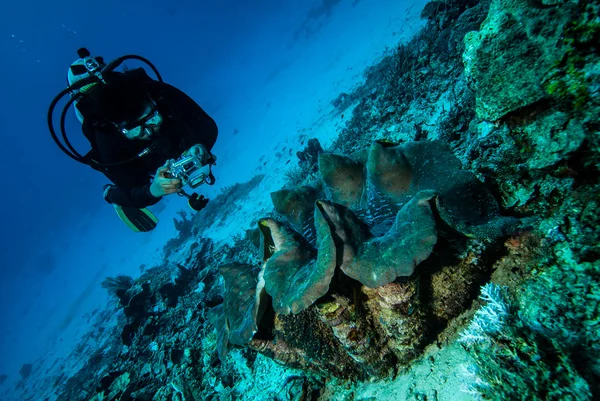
pixel 138 220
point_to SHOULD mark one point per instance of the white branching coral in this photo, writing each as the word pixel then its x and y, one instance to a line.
pixel 487 322
pixel 489 319
pixel 513 359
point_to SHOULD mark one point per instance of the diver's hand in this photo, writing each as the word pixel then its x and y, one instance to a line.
pixel 164 185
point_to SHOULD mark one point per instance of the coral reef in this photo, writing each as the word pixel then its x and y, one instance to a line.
pixel 118 286
pixel 309 156
pixel 561 302
pixel 184 227
pixel 529 48
pixel 512 360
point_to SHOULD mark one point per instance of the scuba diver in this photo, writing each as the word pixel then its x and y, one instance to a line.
pixel 147 137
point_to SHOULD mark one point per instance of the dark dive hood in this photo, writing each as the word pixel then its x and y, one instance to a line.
pixel 79 90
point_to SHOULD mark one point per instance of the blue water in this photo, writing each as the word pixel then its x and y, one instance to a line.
pixel 59 238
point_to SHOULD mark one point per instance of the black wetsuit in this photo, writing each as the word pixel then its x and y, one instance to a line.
pixel 184 124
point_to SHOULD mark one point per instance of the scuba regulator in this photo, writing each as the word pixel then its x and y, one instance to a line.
pixel 189 168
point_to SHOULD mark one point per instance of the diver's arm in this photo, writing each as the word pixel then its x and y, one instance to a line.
pixel 143 195
pixel 138 197
pixel 132 180
pixel 126 193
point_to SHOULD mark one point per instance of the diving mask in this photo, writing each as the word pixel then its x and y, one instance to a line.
pixel 142 126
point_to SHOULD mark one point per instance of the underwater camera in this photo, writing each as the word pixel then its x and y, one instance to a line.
pixel 193 171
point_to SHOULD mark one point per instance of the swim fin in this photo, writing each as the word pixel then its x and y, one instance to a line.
pixel 139 220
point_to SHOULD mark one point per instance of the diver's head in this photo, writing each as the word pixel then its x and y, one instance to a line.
pixel 126 104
